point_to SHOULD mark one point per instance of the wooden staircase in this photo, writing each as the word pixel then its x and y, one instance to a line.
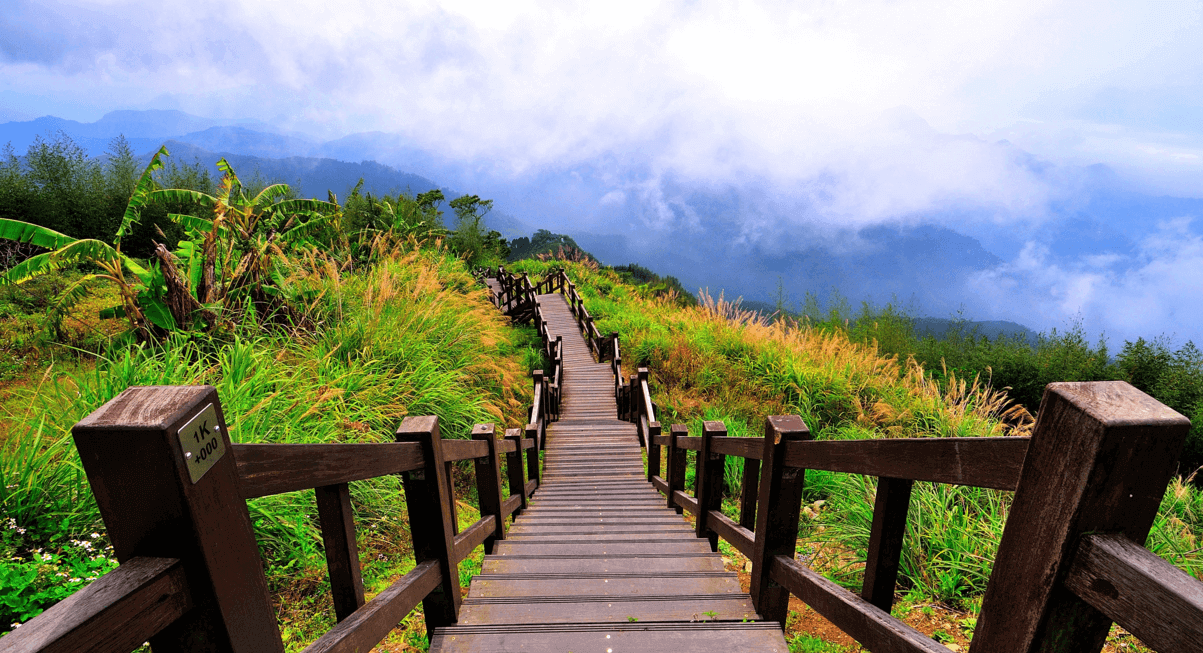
pixel 598 562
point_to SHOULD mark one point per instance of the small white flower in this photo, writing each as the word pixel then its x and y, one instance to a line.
pixel 95 535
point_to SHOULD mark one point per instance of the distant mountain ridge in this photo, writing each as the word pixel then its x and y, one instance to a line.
pixel 249 146
pixel 314 177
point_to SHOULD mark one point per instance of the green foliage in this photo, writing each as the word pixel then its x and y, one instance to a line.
pixel 546 243
pixel 470 240
pixel 410 336
pixel 804 643
pixel 1022 367
pixel 27 588
pixel 402 214
pixel 668 286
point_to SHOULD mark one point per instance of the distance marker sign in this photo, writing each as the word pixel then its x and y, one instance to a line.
pixel 202 443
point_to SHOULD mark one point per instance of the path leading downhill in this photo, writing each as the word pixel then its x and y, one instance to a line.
pixel 598 563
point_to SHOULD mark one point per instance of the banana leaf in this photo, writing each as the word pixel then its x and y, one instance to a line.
pixel 156 311
pixel 142 191
pixel 24 232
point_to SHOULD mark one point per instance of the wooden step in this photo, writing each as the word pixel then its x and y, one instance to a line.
pixel 671 637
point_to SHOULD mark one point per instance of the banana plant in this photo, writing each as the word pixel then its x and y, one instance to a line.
pixel 133 280
pixel 242 246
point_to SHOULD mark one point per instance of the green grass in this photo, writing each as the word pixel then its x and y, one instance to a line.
pixel 715 362
pixel 803 643
pixel 413 335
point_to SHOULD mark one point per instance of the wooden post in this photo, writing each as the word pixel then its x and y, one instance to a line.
pixel 513 468
pixel 676 464
pixel 342 553
pixel 777 513
pixel 1099 461
pixel 532 462
pixel 709 474
pixel 488 483
pixel 558 361
pixel 632 406
pixel 430 519
pixel 161 467
pixel 537 410
pixel 885 541
pixel 747 500
pixel 653 459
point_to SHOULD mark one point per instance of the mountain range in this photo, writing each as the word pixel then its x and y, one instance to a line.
pixel 720 238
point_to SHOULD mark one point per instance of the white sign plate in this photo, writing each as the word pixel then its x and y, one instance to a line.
pixel 202 443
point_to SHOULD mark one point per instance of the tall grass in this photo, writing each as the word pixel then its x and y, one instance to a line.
pixel 717 361
pixel 414 335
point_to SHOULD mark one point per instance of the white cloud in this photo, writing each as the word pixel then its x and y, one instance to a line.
pixel 1155 290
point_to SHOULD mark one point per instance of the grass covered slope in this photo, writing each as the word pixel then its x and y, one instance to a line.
pixel 412 335
pixel 715 362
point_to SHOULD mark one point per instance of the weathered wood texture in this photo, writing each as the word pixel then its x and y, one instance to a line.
pixel 131 450
pixel 342 553
pixel 265 469
pixel 1152 599
pixel 1100 459
pixel 885 541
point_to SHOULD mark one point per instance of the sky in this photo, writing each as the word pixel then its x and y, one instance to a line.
pixel 990 118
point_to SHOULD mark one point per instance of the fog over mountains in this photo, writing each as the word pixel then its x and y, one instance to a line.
pixel 1098 249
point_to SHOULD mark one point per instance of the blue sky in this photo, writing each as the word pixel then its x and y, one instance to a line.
pixel 984 117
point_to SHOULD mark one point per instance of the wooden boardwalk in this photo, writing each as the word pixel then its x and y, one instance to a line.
pixel 598 562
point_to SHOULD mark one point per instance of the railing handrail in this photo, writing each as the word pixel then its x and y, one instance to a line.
pixel 137 449
pixel 1094 443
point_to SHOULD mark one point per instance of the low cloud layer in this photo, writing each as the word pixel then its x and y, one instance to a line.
pixel 830 117
pixel 1151 292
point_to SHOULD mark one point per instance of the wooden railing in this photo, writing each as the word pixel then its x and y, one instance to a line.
pixel 1087 486
pixel 172 491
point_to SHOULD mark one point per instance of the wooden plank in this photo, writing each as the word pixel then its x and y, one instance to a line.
pixel 640 563
pixel 741 538
pixel 342 554
pixel 1100 459
pixel 512 504
pixel 697 637
pixel 116 613
pixel 600 548
pixel 474 536
pixel 1152 599
pixel 454 450
pixel 575 609
pixel 265 469
pixel 536 585
pixel 370 624
pixel 885 541
pixel 685 501
pixel 743 447
pixel 869 625
pixel 980 462
pixel 689 443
